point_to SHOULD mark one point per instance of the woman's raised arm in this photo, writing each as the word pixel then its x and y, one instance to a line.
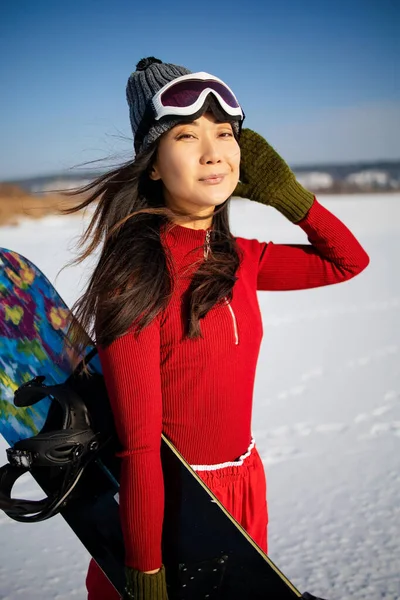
pixel 333 255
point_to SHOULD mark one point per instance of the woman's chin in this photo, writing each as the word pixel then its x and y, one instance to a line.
pixel 215 199
pixel 200 202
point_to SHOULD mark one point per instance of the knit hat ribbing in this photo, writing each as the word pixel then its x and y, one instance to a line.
pixel 150 76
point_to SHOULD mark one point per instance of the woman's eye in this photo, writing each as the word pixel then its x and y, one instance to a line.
pixel 190 135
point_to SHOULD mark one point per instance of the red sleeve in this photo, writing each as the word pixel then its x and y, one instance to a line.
pixel 131 368
pixel 333 255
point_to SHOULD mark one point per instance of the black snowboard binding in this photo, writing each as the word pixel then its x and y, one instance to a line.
pixel 65 445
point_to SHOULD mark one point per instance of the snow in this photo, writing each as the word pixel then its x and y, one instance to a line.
pixel 326 416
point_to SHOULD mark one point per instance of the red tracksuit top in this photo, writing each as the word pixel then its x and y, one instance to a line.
pixel 200 392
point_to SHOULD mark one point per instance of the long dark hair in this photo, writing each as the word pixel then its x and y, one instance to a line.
pixel 132 281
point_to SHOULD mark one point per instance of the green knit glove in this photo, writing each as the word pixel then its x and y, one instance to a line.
pixel 142 586
pixel 265 177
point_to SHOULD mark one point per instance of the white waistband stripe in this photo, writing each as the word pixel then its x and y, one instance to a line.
pixel 236 463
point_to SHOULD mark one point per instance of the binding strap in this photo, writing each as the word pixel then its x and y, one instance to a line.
pixel 66 451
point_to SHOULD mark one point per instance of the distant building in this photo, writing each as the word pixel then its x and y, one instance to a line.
pixel 369 178
pixel 315 180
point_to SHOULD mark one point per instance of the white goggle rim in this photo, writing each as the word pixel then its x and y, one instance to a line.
pixel 164 111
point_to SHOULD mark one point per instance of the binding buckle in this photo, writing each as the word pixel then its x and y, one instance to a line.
pixel 20 458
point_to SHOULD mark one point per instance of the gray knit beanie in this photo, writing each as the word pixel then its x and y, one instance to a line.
pixel 150 76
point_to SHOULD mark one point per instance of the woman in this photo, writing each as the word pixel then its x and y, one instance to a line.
pixel 174 296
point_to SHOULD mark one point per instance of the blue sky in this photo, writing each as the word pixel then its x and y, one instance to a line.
pixel 318 79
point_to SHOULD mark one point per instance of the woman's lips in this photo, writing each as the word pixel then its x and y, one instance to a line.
pixel 213 179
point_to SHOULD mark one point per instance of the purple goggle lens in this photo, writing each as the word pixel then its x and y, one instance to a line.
pixel 185 93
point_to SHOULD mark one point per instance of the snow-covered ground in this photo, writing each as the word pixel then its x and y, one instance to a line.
pixel 326 416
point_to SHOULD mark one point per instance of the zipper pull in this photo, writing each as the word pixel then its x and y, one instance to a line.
pixel 207 247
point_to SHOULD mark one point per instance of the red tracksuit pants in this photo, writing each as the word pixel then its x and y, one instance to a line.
pixel 240 486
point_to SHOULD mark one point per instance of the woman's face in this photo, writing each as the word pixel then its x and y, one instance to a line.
pixel 198 164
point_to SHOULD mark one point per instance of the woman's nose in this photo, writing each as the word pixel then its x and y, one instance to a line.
pixel 210 153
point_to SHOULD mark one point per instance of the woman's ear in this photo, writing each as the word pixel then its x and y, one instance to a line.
pixel 154 174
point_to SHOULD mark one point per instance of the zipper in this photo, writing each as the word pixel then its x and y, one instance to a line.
pixel 207 250
pixel 234 321
pixel 207 247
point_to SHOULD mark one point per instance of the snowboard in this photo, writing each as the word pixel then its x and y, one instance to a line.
pixel 207 554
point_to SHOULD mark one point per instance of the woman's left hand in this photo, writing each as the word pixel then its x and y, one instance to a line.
pixel 265 177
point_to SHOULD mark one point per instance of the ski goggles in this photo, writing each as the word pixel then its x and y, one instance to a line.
pixel 186 95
